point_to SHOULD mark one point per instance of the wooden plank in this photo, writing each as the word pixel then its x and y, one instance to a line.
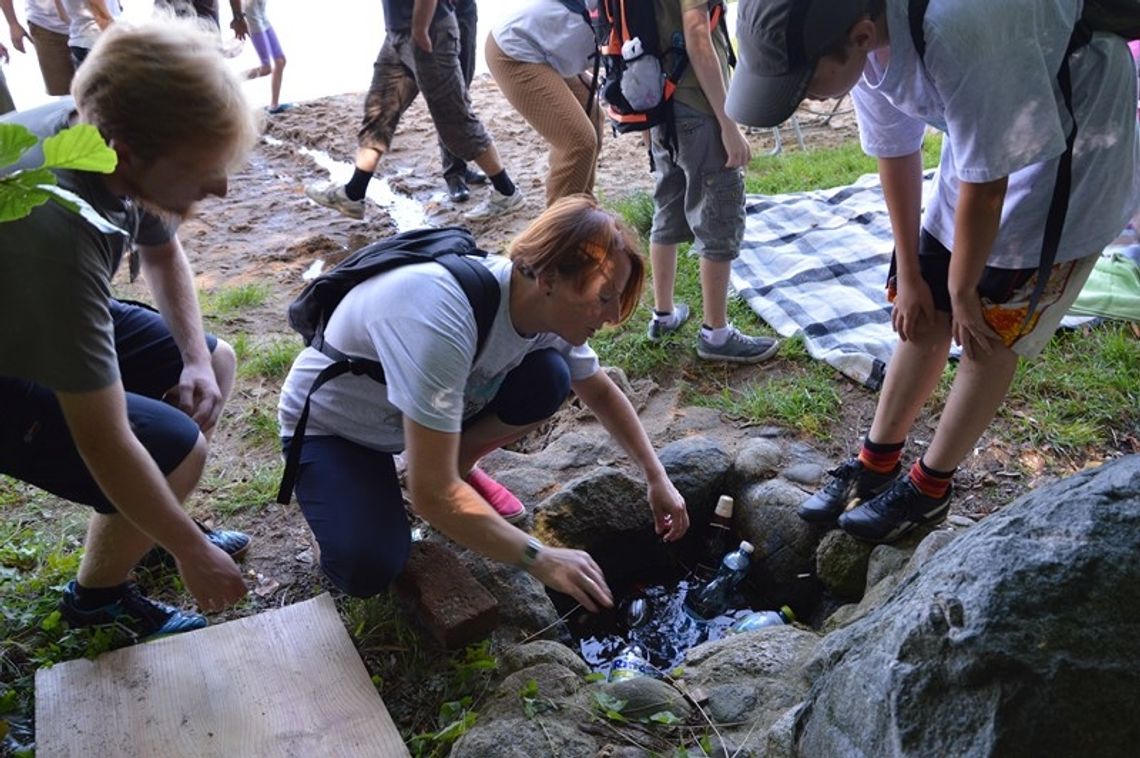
pixel 286 682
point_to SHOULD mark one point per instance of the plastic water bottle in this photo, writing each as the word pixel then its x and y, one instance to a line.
pixel 762 619
pixel 631 663
pixel 709 600
pixel 717 540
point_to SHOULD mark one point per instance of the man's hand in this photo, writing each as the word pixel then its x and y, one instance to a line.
pixel 969 326
pixel 19 34
pixel 574 573
pixel 212 577
pixel 737 147
pixel 913 311
pixel 670 516
pixel 197 395
pixel 422 39
pixel 240 27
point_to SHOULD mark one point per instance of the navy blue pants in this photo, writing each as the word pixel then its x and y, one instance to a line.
pixel 350 494
pixel 36 445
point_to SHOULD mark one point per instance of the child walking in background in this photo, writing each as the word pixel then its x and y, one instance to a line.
pixel 268 49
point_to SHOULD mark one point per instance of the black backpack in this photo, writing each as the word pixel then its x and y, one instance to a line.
pixel 1120 17
pixel 452 247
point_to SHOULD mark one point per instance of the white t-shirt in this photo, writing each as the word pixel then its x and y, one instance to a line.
pixel 988 80
pixel 84 31
pixel 43 14
pixel 546 31
pixel 418 323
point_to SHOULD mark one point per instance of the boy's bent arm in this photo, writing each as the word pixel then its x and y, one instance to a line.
pixel 706 67
pixel 132 481
pixel 901 178
pixel 976 220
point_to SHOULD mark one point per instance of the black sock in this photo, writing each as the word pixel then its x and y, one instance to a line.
pixel 90 598
pixel 935 472
pixel 502 183
pixel 357 184
pixel 882 447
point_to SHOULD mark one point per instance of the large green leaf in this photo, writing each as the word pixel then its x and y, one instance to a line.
pixel 79 147
pixel 21 192
pixel 14 140
pixel 74 202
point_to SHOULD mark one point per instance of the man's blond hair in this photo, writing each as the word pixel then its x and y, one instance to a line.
pixel 162 84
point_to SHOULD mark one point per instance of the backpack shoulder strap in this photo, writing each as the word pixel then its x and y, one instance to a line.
pixel 481 289
pixel 915 15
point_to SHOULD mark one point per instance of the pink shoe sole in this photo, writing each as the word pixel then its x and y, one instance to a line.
pixel 499 497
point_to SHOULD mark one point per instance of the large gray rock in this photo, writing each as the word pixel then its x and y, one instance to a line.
pixel 523 602
pixel 604 503
pixel 645 696
pixel 518 657
pixel 783 568
pixel 761 669
pixel 758 458
pixel 524 738
pixel 1020 638
pixel 697 466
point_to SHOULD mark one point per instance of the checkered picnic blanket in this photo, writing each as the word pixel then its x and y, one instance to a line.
pixel 815 263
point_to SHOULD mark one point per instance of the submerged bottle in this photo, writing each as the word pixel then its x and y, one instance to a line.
pixel 762 619
pixel 717 540
pixel 629 663
pixel 706 601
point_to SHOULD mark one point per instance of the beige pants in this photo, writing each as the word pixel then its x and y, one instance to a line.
pixel 54 58
pixel 556 108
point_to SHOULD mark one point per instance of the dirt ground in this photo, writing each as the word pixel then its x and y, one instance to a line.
pixel 265 231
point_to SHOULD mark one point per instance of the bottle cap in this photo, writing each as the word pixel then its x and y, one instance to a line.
pixel 746 546
pixel 787 613
pixel 724 506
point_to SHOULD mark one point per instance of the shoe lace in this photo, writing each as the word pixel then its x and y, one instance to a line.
pixel 138 607
pixel 895 501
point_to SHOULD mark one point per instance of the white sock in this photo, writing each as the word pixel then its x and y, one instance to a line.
pixel 669 320
pixel 716 337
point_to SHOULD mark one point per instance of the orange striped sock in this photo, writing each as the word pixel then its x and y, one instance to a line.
pixel 880 458
pixel 928 481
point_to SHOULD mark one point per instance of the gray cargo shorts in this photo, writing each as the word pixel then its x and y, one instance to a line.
pixel 697 199
pixel 402 71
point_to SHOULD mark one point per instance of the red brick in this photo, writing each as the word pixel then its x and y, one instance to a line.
pixel 456 609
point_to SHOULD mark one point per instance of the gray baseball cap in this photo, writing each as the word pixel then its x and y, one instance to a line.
pixel 778 44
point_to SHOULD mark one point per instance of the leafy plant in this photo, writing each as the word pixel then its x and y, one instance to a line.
pixel 532 703
pixel 610 706
pixel 79 147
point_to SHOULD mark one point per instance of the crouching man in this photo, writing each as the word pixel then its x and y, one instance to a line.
pixel 107 403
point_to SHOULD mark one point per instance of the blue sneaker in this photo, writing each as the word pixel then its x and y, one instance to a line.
pixel 236 544
pixel 134 612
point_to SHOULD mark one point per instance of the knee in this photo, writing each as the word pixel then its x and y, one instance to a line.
pixel 279 63
pixel 223 359
pixel 186 475
pixel 363 570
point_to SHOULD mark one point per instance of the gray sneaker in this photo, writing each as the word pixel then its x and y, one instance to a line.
pixel 658 329
pixel 332 196
pixel 738 348
pixel 496 205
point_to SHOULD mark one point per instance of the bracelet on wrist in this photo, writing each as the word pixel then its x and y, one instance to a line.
pixel 530 553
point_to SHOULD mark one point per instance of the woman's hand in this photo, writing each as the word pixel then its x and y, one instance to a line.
pixel 574 573
pixel 670 516
pixel 969 326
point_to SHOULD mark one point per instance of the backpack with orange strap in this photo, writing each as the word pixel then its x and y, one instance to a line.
pixel 639 74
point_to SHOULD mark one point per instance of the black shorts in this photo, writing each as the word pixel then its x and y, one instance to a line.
pixel 997 285
pixel 35 444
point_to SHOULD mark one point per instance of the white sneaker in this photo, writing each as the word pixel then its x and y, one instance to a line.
pixel 332 196
pixel 496 205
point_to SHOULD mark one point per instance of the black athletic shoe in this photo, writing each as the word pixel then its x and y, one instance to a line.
pixel 457 189
pixel 899 510
pixel 236 545
pixel 134 612
pixel 851 482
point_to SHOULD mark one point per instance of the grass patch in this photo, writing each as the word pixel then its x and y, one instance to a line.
pixel 1083 387
pixel 815 169
pixel 269 360
pixel 250 485
pixel 258 425
pixel 230 300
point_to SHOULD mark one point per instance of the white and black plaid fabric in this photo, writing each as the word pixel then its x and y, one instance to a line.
pixel 815 263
